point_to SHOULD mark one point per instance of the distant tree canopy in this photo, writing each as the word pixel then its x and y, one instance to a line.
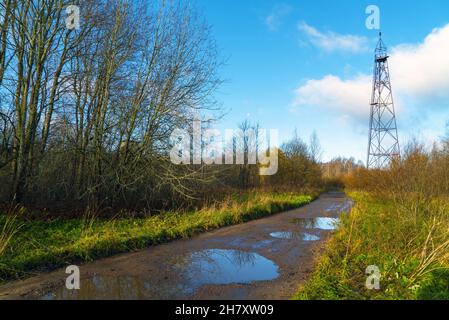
pixel 340 167
pixel 298 166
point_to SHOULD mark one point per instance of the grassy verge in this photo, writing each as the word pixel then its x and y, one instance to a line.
pixel 45 245
pixel 408 243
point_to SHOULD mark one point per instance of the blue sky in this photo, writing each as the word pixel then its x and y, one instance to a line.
pixel 307 65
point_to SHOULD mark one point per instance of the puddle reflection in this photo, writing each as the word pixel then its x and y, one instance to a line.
pixel 322 223
pixel 294 235
pixel 188 273
pixel 109 287
pixel 340 208
pixel 229 266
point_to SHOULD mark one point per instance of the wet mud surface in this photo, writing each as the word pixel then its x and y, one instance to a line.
pixel 261 259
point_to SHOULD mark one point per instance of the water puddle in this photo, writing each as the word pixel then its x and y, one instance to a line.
pixel 262 244
pixel 332 208
pixel 187 273
pixel 229 266
pixel 340 208
pixel 347 206
pixel 322 223
pixel 293 235
pixel 109 287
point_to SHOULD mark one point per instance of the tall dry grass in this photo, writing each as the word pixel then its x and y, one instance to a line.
pixel 400 224
pixel 9 227
pixel 418 186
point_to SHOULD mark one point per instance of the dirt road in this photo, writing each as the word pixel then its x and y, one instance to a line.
pixel 261 259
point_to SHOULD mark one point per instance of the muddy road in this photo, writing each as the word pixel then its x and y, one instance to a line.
pixel 261 259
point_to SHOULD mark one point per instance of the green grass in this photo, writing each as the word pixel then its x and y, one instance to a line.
pixel 46 245
pixel 411 249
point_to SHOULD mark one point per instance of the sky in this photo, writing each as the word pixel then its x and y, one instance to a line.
pixel 307 65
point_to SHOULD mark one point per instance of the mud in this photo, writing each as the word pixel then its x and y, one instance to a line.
pixel 261 259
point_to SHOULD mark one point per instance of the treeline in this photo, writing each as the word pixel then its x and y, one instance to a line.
pixel 339 167
pixel 86 113
pixel 298 165
pixel 420 177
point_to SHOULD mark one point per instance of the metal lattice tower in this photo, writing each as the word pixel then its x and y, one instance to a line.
pixel 383 143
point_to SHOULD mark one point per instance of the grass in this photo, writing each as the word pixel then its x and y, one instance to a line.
pixel 46 245
pixel 8 228
pixel 410 247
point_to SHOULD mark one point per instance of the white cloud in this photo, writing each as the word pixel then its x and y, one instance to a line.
pixel 274 20
pixel 423 70
pixel 331 41
pixel 419 72
pixel 349 97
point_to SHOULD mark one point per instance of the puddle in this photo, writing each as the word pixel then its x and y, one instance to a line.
pixel 332 208
pixel 323 223
pixel 292 235
pixel 262 244
pixel 229 266
pixel 187 273
pixel 310 237
pixel 340 208
pixel 109 287
pixel 347 206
